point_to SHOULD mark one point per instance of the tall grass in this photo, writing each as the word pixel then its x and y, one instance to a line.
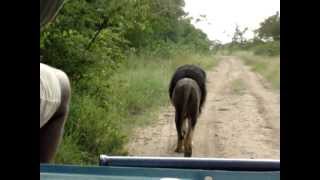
pixel 100 121
pixel 268 67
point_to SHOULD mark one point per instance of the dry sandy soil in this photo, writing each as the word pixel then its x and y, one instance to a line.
pixel 240 119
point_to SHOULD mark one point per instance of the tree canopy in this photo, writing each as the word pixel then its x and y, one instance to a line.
pixel 270 28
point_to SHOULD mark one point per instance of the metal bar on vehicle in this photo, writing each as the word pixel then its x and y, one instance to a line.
pixel 191 163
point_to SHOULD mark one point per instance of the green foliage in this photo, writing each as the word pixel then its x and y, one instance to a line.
pixel 268 48
pixel 88 32
pixel 270 28
pixel 268 67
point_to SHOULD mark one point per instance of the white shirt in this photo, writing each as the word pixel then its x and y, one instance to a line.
pixel 50 93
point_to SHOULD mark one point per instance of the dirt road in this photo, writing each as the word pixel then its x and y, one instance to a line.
pixel 241 119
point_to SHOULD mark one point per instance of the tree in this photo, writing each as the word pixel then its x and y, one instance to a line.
pixel 270 28
pixel 238 36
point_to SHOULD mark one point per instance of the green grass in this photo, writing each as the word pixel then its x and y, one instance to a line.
pixel 143 83
pixel 104 111
pixel 268 67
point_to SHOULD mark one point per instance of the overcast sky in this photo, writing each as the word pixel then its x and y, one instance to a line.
pixel 223 15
